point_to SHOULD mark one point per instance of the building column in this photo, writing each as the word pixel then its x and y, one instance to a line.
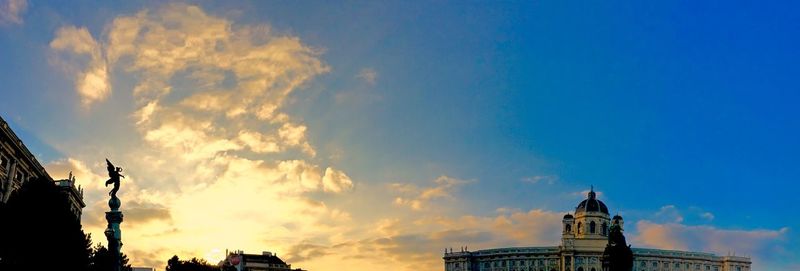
pixel 9 182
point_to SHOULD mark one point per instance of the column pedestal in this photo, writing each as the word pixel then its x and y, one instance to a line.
pixel 113 233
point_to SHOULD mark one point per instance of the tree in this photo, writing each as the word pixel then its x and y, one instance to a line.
pixel 101 259
pixel 40 232
pixel 175 264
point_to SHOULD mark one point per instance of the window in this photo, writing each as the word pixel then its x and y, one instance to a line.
pixel 655 264
pixel 592 227
pixel 568 228
pixel 580 268
pixel 604 229
pixel 3 163
pixel 580 226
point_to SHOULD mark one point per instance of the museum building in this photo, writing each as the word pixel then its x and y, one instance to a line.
pixel 584 236
pixel 17 165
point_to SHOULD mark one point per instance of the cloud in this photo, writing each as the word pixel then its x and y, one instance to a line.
pixel 368 75
pixel 759 243
pixel 208 98
pixel 707 216
pixel 584 193
pixel 143 212
pixel 336 181
pixel 548 179
pixel 418 244
pixel 92 80
pixel 306 251
pixel 669 213
pixel 11 11
pixel 214 159
pixel 416 198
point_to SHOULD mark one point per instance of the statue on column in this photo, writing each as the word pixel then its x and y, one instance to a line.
pixel 618 255
pixel 114 175
pixel 114 217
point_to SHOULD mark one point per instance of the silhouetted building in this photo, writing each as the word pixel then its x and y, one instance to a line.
pixel 17 165
pixel 266 261
pixel 584 237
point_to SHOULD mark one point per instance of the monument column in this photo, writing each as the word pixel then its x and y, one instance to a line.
pixel 113 232
pixel 114 217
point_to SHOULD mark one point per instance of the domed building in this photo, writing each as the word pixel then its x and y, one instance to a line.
pixel 584 236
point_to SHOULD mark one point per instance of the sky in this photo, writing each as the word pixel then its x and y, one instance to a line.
pixel 375 134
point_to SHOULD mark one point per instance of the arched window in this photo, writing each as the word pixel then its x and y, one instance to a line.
pixel 592 227
pixel 580 268
pixel 580 228
pixel 604 229
pixel 568 228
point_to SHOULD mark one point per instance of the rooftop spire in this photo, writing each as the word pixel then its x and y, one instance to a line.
pixel 592 195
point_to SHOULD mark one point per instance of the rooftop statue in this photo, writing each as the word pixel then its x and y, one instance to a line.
pixel 114 174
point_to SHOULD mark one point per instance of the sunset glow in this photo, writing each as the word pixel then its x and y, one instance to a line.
pixel 374 135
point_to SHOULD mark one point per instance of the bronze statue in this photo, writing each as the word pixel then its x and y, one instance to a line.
pixel 617 255
pixel 114 175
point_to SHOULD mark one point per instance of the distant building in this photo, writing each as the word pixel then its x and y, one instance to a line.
pixel 17 165
pixel 583 238
pixel 266 261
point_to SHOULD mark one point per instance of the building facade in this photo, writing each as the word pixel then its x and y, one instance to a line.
pixel 18 165
pixel 584 236
pixel 266 261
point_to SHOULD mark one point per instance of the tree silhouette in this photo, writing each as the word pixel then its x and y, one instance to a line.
pixel 40 232
pixel 175 264
pixel 101 260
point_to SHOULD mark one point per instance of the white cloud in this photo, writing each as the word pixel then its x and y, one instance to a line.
pixel 258 142
pixel 548 179
pixel 92 81
pixel 416 198
pixel 208 98
pixel 669 213
pixel 11 11
pixel 336 181
pixel 368 75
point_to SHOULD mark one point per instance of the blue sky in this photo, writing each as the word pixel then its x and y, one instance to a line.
pixel 673 110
